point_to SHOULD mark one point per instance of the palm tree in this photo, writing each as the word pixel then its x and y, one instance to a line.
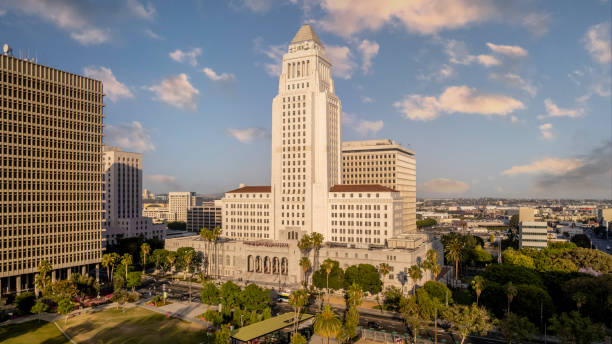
pixel 305 265
pixel 188 258
pixel 580 299
pixel 431 263
pixel 115 259
pixel 415 274
pixel 215 235
pixel 511 291
pixel 145 248
pixel 42 279
pixel 384 269
pixel 107 262
pixel 298 300
pixel 478 284
pixel 305 244
pixel 327 324
pixel 126 260
pixel 454 252
pixel 205 234
pixel 328 265
pixel 354 296
pixel 171 259
pixel 317 240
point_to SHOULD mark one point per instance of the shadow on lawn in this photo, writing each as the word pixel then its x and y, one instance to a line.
pixel 16 330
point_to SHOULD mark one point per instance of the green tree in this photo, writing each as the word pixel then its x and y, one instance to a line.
pixel 330 275
pixel 392 299
pixel 439 291
pixel 106 262
pixel 581 240
pixel 223 336
pixel 85 285
pixel 254 298
pixel 480 256
pixel 415 274
pixel 364 275
pixel 64 289
pixel 210 294
pixel 511 292
pixel 305 265
pixel 126 261
pixel 572 328
pixel 64 307
pixel 38 308
pixel 580 298
pixel 43 280
pixel 213 317
pixel 431 262
pixel 516 329
pixel 298 300
pixel 230 294
pixel 426 223
pixel 134 279
pixel 118 282
pixel 305 244
pixel 145 249
pixel 297 338
pixel 316 240
pixel 384 269
pixel 177 225
pixel 478 284
pixel 411 312
pixel 159 256
pixel 454 252
pixel 327 324
pixel 24 302
pixel 171 259
pixel 468 319
pixel 354 298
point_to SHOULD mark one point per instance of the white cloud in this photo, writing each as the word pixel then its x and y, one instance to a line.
pixel 368 49
pixel 514 80
pixel 546 131
pixel 363 127
pixel 68 15
pixel 186 56
pixel 443 73
pixel 152 34
pixel 445 185
pixel 220 78
pixel 146 12
pixel 274 53
pixel 458 52
pixel 247 135
pixel 488 60
pixel 457 99
pixel 258 6
pixel 162 180
pixel 508 50
pixel 346 18
pixel 537 23
pixel 552 166
pixel 367 99
pixel 514 119
pixel 597 42
pixel 342 61
pixel 130 136
pixel 552 110
pixel 176 91
pixel 114 89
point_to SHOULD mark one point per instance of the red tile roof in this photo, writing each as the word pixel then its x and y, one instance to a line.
pixel 360 188
pixel 252 189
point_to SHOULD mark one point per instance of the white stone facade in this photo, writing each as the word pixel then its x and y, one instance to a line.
pixel 179 202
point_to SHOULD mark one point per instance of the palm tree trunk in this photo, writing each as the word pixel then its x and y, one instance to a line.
pixel 436 329
pixel 327 287
pixel 456 270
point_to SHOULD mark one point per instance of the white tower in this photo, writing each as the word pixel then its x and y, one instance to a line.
pixel 306 139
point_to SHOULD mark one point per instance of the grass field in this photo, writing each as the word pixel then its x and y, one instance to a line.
pixel 135 325
pixel 31 332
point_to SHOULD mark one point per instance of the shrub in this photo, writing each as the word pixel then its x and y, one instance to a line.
pixel 24 302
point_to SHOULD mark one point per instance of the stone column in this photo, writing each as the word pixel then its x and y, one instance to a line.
pixel 36 285
pixel 18 284
pixel 97 272
pixel 84 270
pixel 53 276
pixel 69 272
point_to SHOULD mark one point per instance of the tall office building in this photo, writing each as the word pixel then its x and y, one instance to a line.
pixel 123 197
pixel 386 163
pixel 179 202
pixel 206 215
pixel 50 172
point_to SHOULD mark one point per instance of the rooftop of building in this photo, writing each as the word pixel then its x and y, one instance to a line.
pixel 306 33
pixel 374 145
pixel 252 189
pixel 360 188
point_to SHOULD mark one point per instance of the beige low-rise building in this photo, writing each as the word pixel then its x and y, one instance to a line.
pixel 207 215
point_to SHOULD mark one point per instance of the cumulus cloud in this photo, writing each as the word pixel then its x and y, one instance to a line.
pixel 454 99
pixel 130 136
pixel 365 99
pixel 72 16
pixel 551 166
pixel 368 50
pixel 597 42
pixel 515 80
pixel 161 180
pixel 342 60
pixel 189 56
pixel 247 135
pixel 347 18
pixel 113 89
pixel 219 78
pixel 177 91
pixel 445 185
pixel 153 35
pixel 488 60
pixel 363 127
pixel 444 72
pixel 143 11
pixel 508 50
pixel 552 110
pixel 275 55
pixel 546 131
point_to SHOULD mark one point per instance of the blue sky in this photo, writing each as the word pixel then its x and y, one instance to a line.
pixel 501 99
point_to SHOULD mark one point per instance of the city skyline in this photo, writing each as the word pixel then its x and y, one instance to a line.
pixel 483 94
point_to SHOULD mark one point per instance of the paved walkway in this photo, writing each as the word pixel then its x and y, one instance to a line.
pixel 182 310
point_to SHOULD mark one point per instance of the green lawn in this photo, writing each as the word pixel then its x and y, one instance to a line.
pixel 135 325
pixel 33 332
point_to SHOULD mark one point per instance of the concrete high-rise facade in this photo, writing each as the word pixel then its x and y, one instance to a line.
pixel 123 197
pixel 179 202
pixel 206 215
pixel 386 163
pixel 306 138
pixel 50 172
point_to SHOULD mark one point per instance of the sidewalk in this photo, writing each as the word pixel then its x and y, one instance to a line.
pixel 182 310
